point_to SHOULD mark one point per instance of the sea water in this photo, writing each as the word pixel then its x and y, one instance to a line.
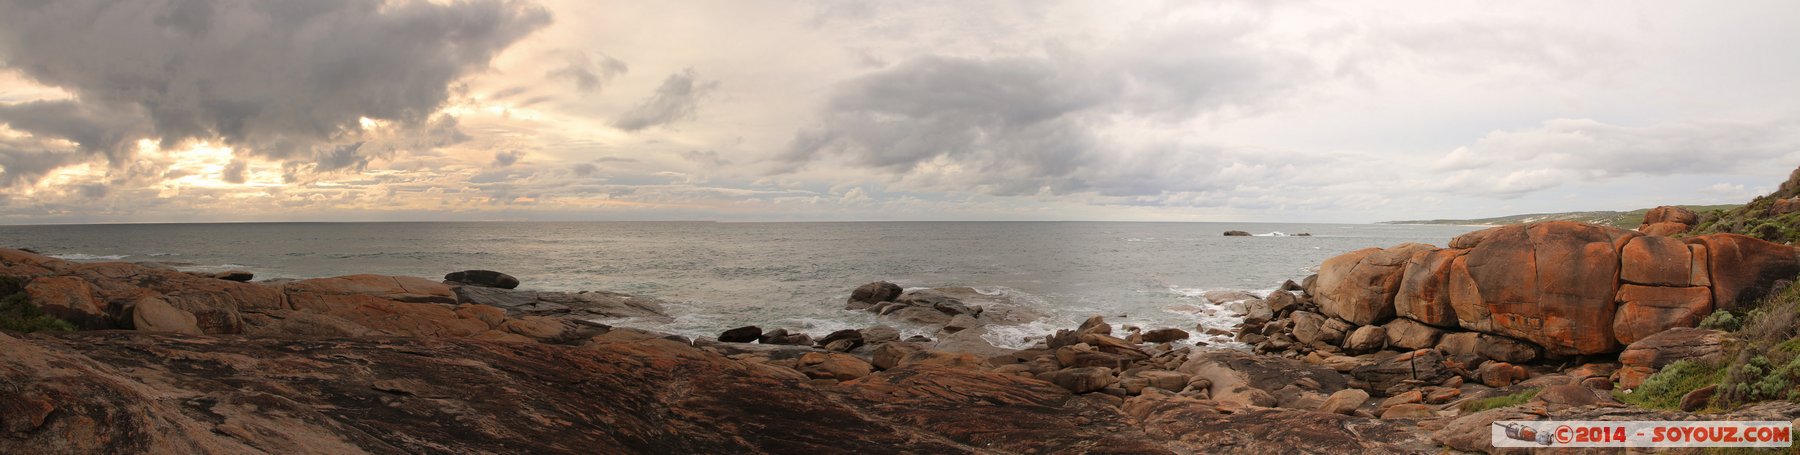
pixel 716 276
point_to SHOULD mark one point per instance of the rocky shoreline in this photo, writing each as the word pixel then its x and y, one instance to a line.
pixel 1394 350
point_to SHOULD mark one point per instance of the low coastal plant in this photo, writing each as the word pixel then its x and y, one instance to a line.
pixel 19 315
pixel 1723 321
pixel 1665 389
pixel 1500 401
pixel 1768 359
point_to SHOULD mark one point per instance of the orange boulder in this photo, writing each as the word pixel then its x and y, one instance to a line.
pixel 1744 269
pixel 1656 261
pixel 1648 310
pixel 1359 286
pixel 1424 293
pixel 1551 283
pixel 1664 228
pixel 1671 214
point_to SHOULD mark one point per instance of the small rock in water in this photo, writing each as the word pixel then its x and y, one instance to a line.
pixel 844 340
pixel 744 334
pixel 235 275
pixel 870 294
pixel 1165 335
pixel 880 334
pixel 1237 234
pixel 483 278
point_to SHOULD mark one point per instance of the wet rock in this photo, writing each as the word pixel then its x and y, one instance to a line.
pixel 482 278
pixel 842 340
pixel 581 305
pixel 1165 335
pixel 240 276
pixel 866 296
pixel 1257 312
pixel 1282 302
pixel 917 315
pixel 960 323
pixel 744 334
pixel 880 334
pixel 1237 234
pixel 783 337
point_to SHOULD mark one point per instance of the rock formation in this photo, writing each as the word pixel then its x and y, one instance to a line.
pixel 1668 220
pixel 1567 288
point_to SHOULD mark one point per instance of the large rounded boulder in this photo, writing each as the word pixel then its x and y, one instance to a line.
pixel 1359 286
pixel 1551 283
pixel 1744 269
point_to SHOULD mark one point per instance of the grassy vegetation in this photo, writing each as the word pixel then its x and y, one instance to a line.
pixel 1768 362
pixel 18 314
pixel 1759 218
pixel 1665 389
pixel 1500 401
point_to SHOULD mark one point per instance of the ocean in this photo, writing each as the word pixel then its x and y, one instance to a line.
pixel 717 276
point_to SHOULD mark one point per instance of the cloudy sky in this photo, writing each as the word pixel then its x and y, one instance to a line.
pixel 338 110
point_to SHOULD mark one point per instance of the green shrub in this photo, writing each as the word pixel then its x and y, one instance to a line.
pixel 19 315
pixel 1767 365
pixel 1500 401
pixel 1664 389
pixel 1722 321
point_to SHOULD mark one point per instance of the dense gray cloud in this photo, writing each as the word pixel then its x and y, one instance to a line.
pixel 279 79
pixel 677 99
pixel 96 129
pixel 24 162
pixel 1029 125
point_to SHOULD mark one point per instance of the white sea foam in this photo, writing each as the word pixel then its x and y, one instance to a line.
pixel 90 257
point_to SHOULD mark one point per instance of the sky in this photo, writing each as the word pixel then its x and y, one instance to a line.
pixel 1281 111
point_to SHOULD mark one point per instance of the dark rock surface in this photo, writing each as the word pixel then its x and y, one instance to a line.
pixel 483 278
